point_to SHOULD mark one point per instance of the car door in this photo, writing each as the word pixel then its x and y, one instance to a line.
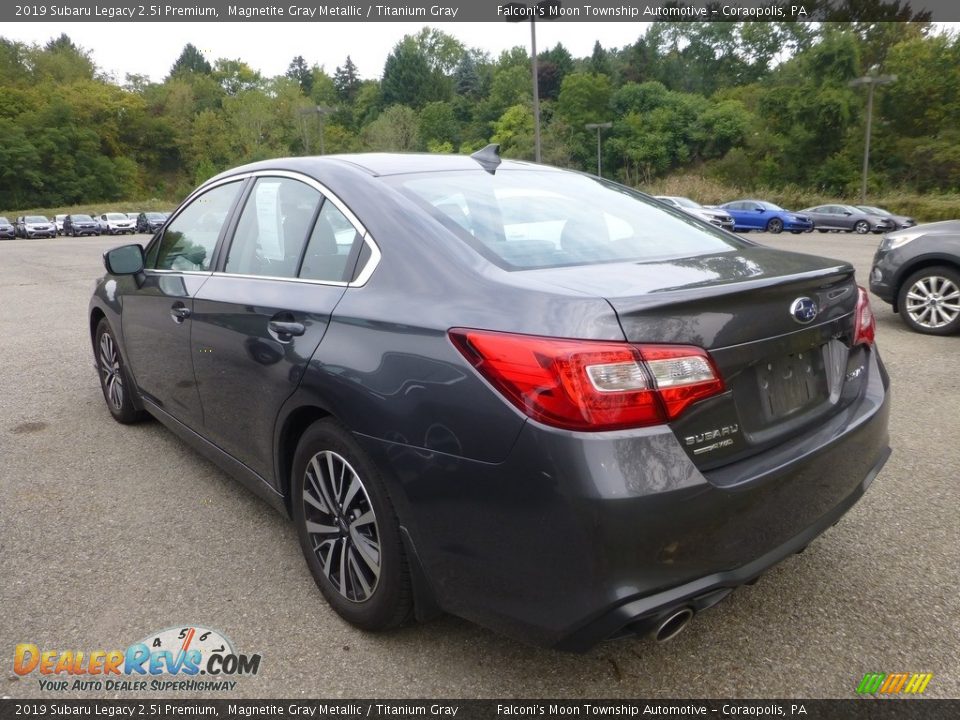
pixel 156 318
pixel 820 215
pixel 749 217
pixel 845 218
pixel 260 317
pixel 734 210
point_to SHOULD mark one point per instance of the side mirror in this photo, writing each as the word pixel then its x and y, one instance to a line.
pixel 847 212
pixel 760 210
pixel 124 260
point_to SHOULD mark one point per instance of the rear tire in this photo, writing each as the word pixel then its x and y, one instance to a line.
pixel 348 529
pixel 929 301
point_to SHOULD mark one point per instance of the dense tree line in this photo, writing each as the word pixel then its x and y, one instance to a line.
pixel 748 104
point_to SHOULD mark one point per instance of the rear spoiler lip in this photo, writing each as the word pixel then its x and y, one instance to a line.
pixel 694 293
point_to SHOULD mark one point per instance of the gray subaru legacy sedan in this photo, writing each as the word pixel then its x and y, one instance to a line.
pixel 528 397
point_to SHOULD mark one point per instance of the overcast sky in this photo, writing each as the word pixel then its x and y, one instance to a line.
pixel 151 48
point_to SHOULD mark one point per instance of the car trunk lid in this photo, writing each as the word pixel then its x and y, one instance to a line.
pixel 782 372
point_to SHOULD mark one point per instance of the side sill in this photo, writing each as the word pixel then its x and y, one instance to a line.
pixel 251 480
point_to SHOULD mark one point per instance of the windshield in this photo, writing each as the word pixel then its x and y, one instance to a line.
pixel 82 218
pixel 155 216
pixel 528 219
pixel 872 210
pixel 685 202
pixel 769 206
pixel 116 216
pixel 35 219
pixel 4 220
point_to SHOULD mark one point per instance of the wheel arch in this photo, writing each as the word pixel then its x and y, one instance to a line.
pixel 96 315
pixel 919 264
pixel 289 431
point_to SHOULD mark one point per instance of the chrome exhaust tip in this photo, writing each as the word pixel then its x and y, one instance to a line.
pixel 672 625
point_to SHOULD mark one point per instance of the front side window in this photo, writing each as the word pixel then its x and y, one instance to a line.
pixel 273 228
pixel 527 219
pixel 189 241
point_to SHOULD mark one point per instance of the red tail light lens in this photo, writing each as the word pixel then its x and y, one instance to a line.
pixel 588 384
pixel 866 323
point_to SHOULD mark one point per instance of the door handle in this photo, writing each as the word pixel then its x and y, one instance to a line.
pixel 180 312
pixel 286 330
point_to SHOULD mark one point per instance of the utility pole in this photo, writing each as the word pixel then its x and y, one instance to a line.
pixel 871 81
pixel 598 127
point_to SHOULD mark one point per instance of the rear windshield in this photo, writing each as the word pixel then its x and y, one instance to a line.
pixel 529 219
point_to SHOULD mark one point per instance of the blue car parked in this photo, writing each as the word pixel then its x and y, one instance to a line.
pixel 762 215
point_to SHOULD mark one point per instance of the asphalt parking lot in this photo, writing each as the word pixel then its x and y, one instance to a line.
pixel 110 533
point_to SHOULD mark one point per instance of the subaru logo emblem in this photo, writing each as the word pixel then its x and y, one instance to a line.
pixel 804 310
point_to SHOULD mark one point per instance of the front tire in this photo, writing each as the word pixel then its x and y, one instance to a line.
pixel 775 226
pixel 929 301
pixel 348 529
pixel 862 227
pixel 114 378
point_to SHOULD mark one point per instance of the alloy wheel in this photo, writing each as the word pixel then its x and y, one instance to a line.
pixel 862 227
pixel 110 369
pixel 342 526
pixel 933 301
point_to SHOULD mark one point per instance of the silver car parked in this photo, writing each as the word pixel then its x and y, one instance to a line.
pixel 848 219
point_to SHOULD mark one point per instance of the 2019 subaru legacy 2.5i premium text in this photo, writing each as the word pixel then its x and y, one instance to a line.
pixel 525 396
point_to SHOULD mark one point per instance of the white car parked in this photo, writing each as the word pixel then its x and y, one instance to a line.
pixel 714 216
pixel 117 224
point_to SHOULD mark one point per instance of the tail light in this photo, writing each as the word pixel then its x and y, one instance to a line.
pixel 588 384
pixel 865 331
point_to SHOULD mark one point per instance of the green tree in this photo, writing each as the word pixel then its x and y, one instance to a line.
pixel 408 78
pixel 514 132
pixel 396 129
pixel 346 81
pixel 300 72
pixel 191 60
pixel 437 124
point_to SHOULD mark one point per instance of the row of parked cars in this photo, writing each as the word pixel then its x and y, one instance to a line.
pixel 916 269
pixel 763 216
pixel 78 224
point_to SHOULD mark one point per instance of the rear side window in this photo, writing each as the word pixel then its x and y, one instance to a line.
pixel 332 251
pixel 528 219
pixel 273 228
pixel 189 241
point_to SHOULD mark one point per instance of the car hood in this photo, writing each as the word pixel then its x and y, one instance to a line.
pixel 945 227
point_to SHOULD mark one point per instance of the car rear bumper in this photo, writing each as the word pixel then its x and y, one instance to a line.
pixel 581 537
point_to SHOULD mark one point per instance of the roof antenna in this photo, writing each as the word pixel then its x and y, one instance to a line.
pixel 488 157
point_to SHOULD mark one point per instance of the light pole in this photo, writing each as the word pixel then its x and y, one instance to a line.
pixel 547 10
pixel 871 81
pixel 598 127
pixel 321 112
